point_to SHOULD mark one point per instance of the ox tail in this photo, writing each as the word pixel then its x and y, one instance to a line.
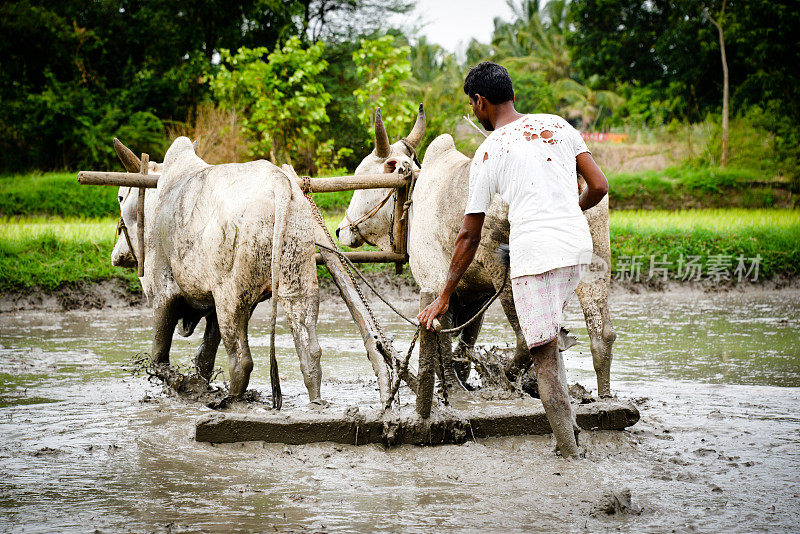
pixel 283 198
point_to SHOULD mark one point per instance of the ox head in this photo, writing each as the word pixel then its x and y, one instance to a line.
pixel 362 223
pixel 128 198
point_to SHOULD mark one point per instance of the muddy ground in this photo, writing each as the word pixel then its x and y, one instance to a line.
pixel 716 377
pixel 115 293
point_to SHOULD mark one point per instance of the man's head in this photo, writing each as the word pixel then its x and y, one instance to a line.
pixel 488 85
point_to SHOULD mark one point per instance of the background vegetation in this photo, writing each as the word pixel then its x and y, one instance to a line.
pixel 297 81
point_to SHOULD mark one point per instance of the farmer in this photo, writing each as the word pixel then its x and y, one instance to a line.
pixel 530 161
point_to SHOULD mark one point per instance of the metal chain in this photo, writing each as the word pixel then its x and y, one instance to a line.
pixel 306 186
pixel 401 371
pixel 440 362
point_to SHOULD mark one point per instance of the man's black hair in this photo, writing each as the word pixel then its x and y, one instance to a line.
pixel 489 80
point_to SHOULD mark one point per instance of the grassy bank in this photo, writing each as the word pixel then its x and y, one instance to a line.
pixel 691 188
pixel 51 253
pixel 58 194
pixel 55 193
pixel 713 237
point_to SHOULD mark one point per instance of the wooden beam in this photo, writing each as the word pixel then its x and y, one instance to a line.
pixel 368 256
pixel 360 181
pixel 428 347
pixel 119 179
pixel 143 168
pixel 318 185
pixel 400 227
pixel 519 417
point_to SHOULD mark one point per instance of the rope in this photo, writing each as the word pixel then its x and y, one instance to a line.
pixel 384 345
pixel 401 371
pixel 124 229
pixel 414 322
pixel 350 264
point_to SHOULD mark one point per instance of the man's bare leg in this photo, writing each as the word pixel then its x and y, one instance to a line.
pixel 552 379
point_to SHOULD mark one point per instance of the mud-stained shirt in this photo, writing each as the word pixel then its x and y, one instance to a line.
pixel 531 164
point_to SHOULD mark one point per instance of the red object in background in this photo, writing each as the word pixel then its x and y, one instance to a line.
pixel 600 137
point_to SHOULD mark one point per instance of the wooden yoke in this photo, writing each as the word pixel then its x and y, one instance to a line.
pixel 138 177
pixel 400 224
pixel 143 168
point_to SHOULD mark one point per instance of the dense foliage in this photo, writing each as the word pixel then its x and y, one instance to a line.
pixel 302 77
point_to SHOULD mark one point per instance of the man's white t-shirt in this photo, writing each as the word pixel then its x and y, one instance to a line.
pixel 531 164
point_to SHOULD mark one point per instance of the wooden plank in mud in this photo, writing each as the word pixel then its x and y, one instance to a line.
pixel 367 256
pixel 441 428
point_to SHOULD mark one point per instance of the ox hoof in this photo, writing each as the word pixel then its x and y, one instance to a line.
pixel 223 403
pixel 318 404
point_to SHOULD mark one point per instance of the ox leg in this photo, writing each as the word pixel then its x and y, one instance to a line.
pixel 446 355
pixel 207 353
pixel 165 319
pixel 593 295
pixel 594 301
pixel 304 333
pixel 467 338
pixel 233 322
pixel 522 356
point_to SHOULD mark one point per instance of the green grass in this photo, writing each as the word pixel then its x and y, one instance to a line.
pixel 55 193
pixel 59 194
pixel 687 187
pixel 772 234
pixel 52 253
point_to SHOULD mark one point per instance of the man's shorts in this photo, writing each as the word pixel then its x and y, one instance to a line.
pixel 540 300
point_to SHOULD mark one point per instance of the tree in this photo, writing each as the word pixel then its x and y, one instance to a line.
pixel 383 68
pixel 718 22
pixel 280 97
pixel 337 21
pixel 535 44
pixel 536 40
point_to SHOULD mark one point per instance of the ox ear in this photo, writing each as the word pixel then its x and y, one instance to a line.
pixel 195 145
pixel 381 137
pixel 418 131
pixel 128 158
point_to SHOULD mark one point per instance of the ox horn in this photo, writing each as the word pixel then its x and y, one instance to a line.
pixel 418 131
pixel 381 137
pixel 128 158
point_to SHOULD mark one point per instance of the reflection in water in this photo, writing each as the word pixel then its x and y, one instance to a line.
pixel 84 445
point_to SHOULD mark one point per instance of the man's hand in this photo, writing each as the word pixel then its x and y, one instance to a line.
pixel 463 253
pixel 434 310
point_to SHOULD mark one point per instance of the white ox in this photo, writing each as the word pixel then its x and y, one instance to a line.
pixel 219 239
pixel 436 214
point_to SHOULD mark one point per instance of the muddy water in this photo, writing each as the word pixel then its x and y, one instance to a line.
pixel 85 446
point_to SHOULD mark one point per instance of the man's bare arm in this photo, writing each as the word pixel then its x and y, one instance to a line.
pixel 597 185
pixel 466 245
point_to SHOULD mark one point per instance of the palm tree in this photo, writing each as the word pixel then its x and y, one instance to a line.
pixel 584 103
pixel 436 79
pixel 536 42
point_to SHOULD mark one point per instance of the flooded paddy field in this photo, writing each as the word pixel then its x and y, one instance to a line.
pixel 85 446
